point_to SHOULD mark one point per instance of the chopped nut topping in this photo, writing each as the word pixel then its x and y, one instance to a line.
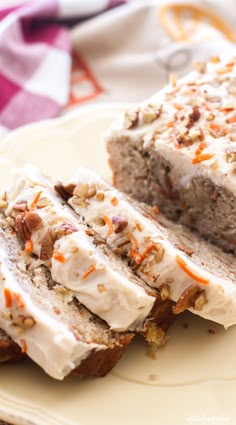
pixel 193 117
pixel 99 221
pixel 187 299
pixel 200 301
pixel 47 245
pixel 164 291
pixel 81 190
pixel 199 66
pixel 131 118
pixel 173 80
pixel 231 153
pixel 139 226
pixel 150 113
pixel 20 206
pixel 101 287
pixel 24 322
pixel 100 196
pixel 26 223
pixel 187 251
pixel 66 191
pixel 43 203
pixel 3 204
pixel 120 223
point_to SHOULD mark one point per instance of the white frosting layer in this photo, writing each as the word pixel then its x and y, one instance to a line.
pixel 220 293
pixel 103 289
pixel 213 93
pixel 49 343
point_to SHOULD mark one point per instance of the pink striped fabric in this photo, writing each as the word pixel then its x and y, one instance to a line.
pixel 35 60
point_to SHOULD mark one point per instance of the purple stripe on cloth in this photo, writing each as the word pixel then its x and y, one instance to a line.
pixel 41 32
pixel 8 90
pixel 115 3
pixel 26 107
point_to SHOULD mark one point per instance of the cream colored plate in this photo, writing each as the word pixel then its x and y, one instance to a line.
pixel 193 379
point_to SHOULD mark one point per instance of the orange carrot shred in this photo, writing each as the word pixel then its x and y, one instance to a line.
pixel 18 299
pixel 114 201
pixel 232 119
pixel 23 345
pixel 136 256
pixel 170 124
pixel 190 273
pixel 8 297
pixel 36 199
pixel 202 157
pixel 89 271
pixel 148 250
pixel 155 209
pixel 89 232
pixel 177 106
pixel 109 224
pixel 59 257
pixel 226 110
pixel 28 246
pixel 201 147
pixel 215 126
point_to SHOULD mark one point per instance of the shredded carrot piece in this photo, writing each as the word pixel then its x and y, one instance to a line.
pixel 177 106
pixel 232 119
pixel 36 199
pixel 201 147
pixel 155 209
pixel 215 126
pixel 8 297
pixel 59 257
pixel 89 271
pixel 18 299
pixel 114 201
pixel 23 345
pixel 226 110
pixel 148 250
pixel 202 157
pixel 57 311
pixel 185 268
pixel 28 246
pixel 136 256
pixel 109 224
pixel 170 124
pixel 89 232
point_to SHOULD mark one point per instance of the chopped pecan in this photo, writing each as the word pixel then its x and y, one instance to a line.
pixel 193 117
pixel 131 118
pixel 151 113
pixel 231 153
pixel 24 322
pixel 187 299
pixel 120 223
pixel 66 191
pixel 164 291
pixel 187 251
pixel 47 245
pixel 20 206
pixel 32 221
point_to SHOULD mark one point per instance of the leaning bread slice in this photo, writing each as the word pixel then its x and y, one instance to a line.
pixel 47 322
pixel 76 258
pixel 178 150
pixel 186 268
pixel 9 350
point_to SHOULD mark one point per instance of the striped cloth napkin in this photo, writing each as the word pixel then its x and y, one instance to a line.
pixel 35 57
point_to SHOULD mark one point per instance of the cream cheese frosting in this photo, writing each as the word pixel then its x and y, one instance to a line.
pixel 76 263
pixel 158 261
pixel 192 119
pixel 49 342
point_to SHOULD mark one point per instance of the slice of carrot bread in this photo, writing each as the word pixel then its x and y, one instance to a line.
pixel 9 350
pixel 80 261
pixel 178 150
pixel 185 268
pixel 46 320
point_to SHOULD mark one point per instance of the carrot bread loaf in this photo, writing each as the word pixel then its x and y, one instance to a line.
pixel 185 268
pixel 9 350
pixel 178 150
pixel 46 320
pixel 79 260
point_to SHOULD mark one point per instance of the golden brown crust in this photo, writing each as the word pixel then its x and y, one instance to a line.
pixel 99 363
pixel 9 350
